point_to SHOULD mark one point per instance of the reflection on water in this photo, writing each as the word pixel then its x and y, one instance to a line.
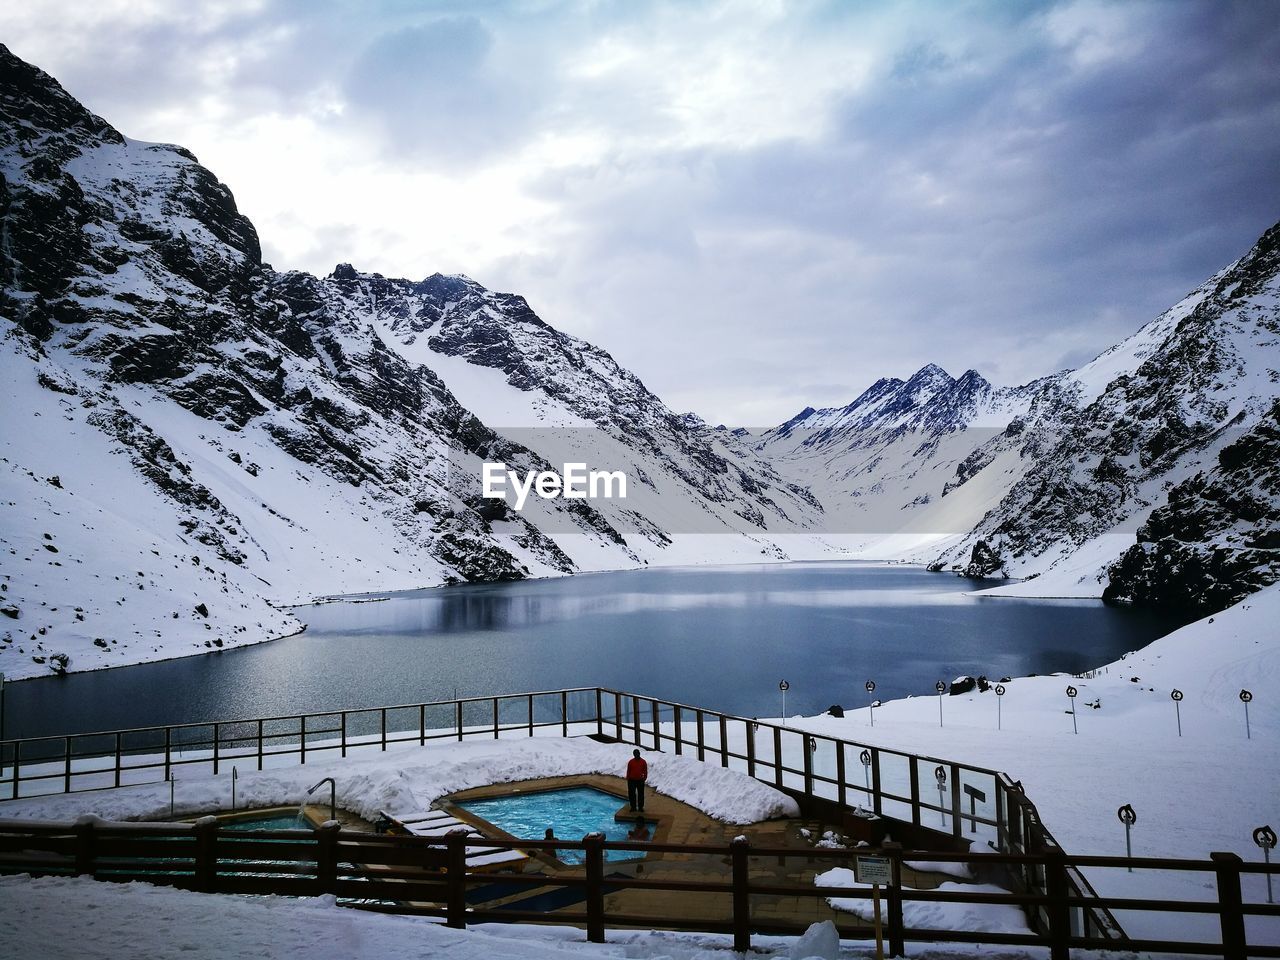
pixel 718 637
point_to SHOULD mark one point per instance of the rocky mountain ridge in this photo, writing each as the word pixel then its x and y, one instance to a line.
pixel 1148 475
pixel 192 437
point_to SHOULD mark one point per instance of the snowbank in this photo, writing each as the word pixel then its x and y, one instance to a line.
pixel 412 778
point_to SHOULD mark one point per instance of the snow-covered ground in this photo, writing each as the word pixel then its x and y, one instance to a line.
pixel 408 779
pixel 1201 792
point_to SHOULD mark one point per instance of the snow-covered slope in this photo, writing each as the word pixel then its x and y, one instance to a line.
pixel 1149 473
pixel 190 436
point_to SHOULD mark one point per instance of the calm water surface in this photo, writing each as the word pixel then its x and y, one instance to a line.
pixel 719 637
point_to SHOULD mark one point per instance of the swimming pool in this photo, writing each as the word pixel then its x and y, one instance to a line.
pixel 277 821
pixel 572 812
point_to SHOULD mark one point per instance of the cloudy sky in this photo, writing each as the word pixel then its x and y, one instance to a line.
pixel 754 205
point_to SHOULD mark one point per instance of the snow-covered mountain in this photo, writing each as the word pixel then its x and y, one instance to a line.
pixel 191 437
pixel 1149 474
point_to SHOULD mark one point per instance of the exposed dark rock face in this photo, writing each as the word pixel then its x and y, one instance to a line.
pixel 1217 538
pixel 984 561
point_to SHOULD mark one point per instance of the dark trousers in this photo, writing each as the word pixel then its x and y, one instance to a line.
pixel 635 794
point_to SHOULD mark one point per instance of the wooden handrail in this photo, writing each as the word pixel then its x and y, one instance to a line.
pixel 429 875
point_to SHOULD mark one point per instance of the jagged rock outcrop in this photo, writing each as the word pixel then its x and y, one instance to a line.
pixel 200 426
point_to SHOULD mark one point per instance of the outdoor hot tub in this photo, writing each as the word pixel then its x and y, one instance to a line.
pixel 572 812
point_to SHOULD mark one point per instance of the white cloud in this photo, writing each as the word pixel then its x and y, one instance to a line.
pixel 755 206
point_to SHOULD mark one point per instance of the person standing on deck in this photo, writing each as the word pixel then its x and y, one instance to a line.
pixel 637 774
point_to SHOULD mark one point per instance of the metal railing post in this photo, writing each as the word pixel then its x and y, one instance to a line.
pixel 777 756
pixel 956 830
pixel 457 710
pixel 702 743
pixel 617 716
pixel 564 714
pixel 343 725
pixel 724 741
pixel 422 724
pixel 877 802
pixel 840 785
pixel 259 744
pixel 599 712
pixel 914 766
pixel 657 728
pixel 531 715
pixel 679 732
pixel 66 775
pixel 302 741
pixel 807 746
pixel 215 760
pixel 384 729
pixel 496 734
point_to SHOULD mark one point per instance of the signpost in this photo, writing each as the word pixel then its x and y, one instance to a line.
pixel 1128 817
pixel 784 687
pixel 865 757
pixel 877 871
pixel 1176 696
pixel 941 688
pixel 1245 697
pixel 940 775
pixel 1071 693
pixel 1265 837
pixel 999 695
pixel 871 703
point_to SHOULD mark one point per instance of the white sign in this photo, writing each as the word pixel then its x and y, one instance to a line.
pixel 576 483
pixel 873 870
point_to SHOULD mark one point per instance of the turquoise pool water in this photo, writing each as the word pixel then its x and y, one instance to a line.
pixel 274 822
pixel 572 813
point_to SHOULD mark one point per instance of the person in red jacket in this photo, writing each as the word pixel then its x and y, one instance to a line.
pixel 637 774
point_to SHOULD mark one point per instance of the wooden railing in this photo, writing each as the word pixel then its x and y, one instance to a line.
pixel 416 875
pixel 827 775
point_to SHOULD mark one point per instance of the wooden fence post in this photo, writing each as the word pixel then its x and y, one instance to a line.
pixel 327 856
pixel 86 847
pixel 738 852
pixel 206 868
pixel 456 912
pixel 1230 903
pixel 893 899
pixel 593 844
pixel 1059 913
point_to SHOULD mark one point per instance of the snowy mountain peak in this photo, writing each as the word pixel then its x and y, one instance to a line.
pixel 231 437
